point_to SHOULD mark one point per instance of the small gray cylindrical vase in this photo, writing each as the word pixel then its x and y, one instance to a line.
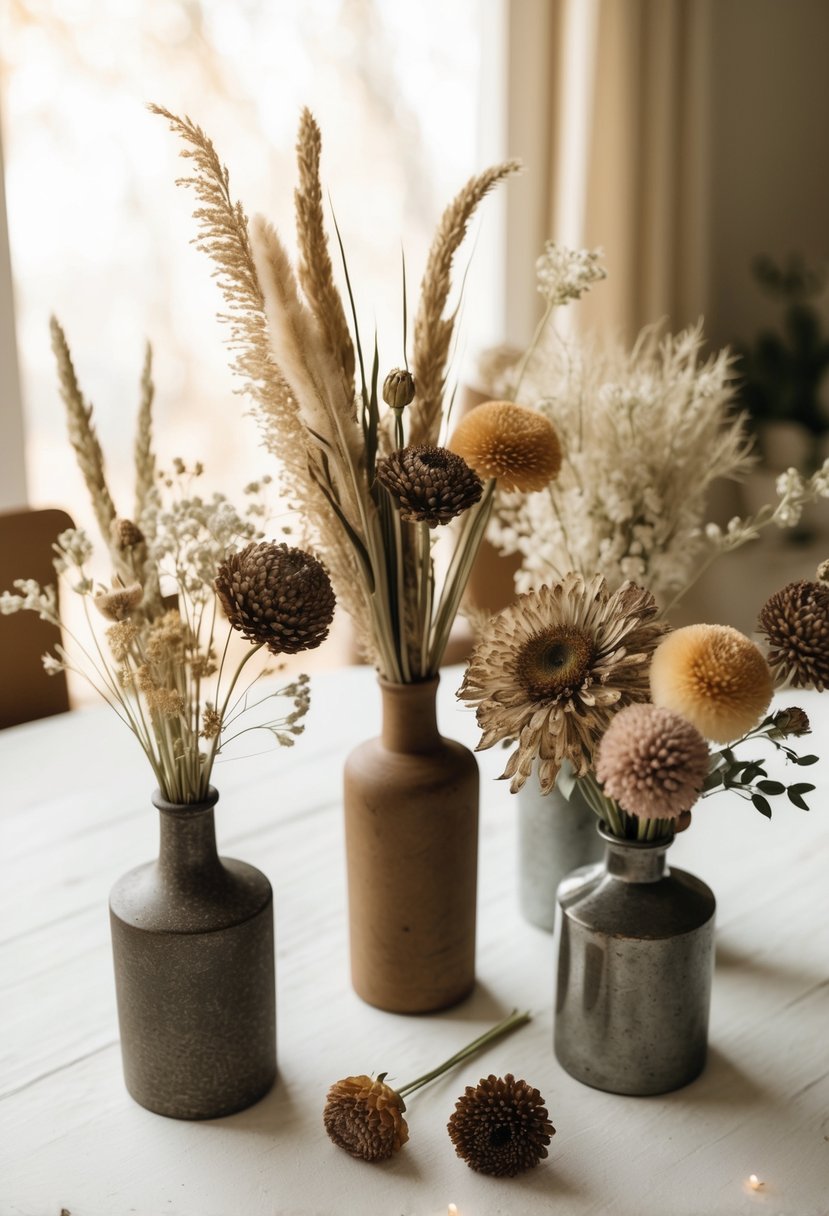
pixel 635 963
pixel 555 836
pixel 193 947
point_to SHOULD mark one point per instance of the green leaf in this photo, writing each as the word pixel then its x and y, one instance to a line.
pixel 771 787
pixel 796 792
pixel 807 759
pixel 761 805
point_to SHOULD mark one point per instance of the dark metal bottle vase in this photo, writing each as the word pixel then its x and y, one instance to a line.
pixel 193 948
pixel 635 964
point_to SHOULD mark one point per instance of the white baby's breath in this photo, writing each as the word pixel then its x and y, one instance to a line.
pixel 566 274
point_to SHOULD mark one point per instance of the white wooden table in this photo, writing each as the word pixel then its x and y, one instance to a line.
pixel 75 813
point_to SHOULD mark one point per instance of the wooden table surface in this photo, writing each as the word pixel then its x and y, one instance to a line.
pixel 76 813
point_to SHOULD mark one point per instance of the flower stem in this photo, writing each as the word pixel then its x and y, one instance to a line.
pixel 503 1027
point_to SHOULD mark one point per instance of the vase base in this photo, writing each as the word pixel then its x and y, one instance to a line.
pixel 417 1005
pixel 199 1112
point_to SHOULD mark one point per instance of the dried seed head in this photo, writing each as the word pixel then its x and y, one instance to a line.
pixel 428 484
pixel 276 595
pixel 365 1117
pixel 789 723
pixel 517 445
pixel 652 761
pixel 126 534
pixel 500 1126
pixel 398 389
pixel 121 602
pixel 795 623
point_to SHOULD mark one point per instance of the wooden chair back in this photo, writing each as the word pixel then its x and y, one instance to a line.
pixel 26 691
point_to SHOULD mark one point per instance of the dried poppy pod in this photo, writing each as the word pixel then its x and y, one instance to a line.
pixel 276 596
pixel 429 484
pixel 365 1117
pixel 500 1126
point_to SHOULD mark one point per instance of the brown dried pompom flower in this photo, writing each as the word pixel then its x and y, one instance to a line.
pixel 795 623
pixel 715 677
pixel 652 761
pixel 513 443
pixel 126 534
pixel 120 602
pixel 500 1126
pixel 365 1117
pixel 429 484
pixel 277 596
pixel 398 389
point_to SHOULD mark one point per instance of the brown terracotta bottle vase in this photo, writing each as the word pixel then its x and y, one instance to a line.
pixel 411 821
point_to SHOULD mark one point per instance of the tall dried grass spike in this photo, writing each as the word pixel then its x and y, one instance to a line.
pixel 433 331
pixel 82 433
pixel 315 272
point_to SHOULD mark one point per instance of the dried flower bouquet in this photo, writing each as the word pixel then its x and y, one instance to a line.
pixel 164 664
pixel 372 485
pixel 644 433
pixel 593 690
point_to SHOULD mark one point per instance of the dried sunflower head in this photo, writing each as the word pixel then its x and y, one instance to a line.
pixel 276 595
pixel 429 484
pixel 500 1126
pixel 795 623
pixel 513 443
pixel 552 669
pixel 365 1117
pixel 715 677
pixel 652 761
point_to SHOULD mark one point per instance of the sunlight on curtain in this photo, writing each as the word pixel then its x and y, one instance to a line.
pixel 100 234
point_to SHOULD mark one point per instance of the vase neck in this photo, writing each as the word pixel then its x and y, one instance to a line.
pixel 410 716
pixel 636 860
pixel 187 839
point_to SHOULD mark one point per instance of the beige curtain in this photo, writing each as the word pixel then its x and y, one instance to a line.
pixel 634 82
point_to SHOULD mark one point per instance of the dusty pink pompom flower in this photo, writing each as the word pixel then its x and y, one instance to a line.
pixel 652 761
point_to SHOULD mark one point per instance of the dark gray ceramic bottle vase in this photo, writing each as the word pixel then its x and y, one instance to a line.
pixel 193 947
pixel 635 964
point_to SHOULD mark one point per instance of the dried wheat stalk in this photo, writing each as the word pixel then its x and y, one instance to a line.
pixel 433 331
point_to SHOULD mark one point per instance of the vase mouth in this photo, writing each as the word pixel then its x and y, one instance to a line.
pixel 663 842
pixel 427 682
pixel 183 809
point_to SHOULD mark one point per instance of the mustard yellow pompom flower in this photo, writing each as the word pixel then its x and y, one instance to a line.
pixel 512 443
pixel 715 677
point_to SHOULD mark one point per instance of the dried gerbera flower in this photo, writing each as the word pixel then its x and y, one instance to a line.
pixel 120 602
pixel 428 484
pixel 501 1126
pixel 653 762
pixel 715 677
pixel 551 670
pixel 276 596
pixel 365 1117
pixel 795 623
pixel 513 443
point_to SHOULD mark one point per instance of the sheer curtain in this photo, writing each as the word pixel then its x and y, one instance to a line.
pixel 621 119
